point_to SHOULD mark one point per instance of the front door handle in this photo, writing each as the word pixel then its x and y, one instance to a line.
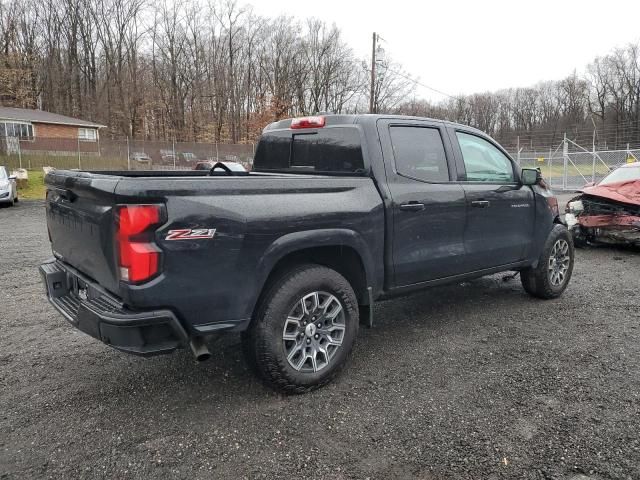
pixel 412 207
pixel 480 203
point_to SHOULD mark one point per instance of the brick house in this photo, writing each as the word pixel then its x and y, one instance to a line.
pixel 40 132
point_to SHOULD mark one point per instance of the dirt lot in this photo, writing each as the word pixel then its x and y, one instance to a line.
pixel 470 381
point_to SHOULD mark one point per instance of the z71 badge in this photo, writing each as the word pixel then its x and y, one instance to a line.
pixel 190 234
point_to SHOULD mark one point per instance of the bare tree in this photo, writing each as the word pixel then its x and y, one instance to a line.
pixel 214 70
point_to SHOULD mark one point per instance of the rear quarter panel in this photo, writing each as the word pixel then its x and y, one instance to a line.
pixel 258 220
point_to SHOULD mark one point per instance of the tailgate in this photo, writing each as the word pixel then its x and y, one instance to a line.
pixel 80 221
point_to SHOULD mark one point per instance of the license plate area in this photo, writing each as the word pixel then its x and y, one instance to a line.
pixel 64 283
pixel 79 288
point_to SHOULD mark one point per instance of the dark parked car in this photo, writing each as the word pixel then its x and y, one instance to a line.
pixel 188 157
pixel 340 211
pixel 169 157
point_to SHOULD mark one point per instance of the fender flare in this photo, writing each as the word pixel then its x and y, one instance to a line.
pixel 296 241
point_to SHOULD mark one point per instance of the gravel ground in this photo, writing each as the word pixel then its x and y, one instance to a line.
pixel 470 381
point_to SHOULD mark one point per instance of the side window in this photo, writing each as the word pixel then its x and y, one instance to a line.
pixel 419 153
pixel 483 161
pixel 88 134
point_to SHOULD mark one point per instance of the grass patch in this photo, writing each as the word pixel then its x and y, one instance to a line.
pixel 34 188
pixel 36 162
pixel 556 170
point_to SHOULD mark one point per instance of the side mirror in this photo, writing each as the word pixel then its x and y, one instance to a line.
pixel 12 177
pixel 530 176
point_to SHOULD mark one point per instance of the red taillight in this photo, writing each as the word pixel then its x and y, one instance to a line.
pixel 307 122
pixel 138 255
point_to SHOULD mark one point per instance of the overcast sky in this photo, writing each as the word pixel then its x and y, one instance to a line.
pixel 465 46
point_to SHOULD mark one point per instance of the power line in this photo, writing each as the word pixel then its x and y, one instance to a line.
pixel 575 131
pixel 425 85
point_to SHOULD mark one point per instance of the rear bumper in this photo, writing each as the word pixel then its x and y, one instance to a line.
pixel 94 311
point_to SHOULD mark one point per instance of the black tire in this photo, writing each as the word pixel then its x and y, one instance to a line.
pixel 263 342
pixel 538 281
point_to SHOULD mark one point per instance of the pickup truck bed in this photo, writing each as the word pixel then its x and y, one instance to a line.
pixel 258 219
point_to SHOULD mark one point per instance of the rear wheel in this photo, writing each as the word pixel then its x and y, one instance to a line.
pixel 304 330
pixel 555 266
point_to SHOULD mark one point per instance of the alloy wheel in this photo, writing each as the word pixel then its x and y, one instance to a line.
pixel 313 331
pixel 559 261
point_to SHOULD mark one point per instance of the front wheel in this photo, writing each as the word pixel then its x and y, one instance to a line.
pixel 555 266
pixel 304 329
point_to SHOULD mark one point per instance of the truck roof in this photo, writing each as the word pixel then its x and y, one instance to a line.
pixel 333 119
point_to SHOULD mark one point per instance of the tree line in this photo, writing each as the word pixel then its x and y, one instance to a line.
pixel 600 107
pixel 214 70
pixel 183 69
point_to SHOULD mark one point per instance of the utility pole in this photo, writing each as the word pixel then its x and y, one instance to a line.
pixel 565 160
pixel 128 155
pixel 593 149
pixel 372 104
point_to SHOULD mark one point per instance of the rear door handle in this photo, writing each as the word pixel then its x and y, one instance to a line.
pixel 480 203
pixel 412 207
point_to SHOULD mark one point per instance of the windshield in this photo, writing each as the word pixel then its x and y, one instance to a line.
pixel 3 173
pixel 622 174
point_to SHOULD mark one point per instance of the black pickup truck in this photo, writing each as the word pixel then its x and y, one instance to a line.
pixel 339 211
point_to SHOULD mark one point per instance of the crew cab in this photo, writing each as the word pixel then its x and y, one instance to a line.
pixel 340 211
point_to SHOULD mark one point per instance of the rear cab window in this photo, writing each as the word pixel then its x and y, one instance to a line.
pixel 323 150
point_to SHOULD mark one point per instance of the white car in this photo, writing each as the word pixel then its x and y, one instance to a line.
pixel 141 157
pixel 8 187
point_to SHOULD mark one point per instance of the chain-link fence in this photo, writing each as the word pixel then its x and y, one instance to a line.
pixel 570 166
pixel 101 154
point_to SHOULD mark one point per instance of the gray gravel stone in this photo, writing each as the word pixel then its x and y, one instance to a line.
pixel 472 381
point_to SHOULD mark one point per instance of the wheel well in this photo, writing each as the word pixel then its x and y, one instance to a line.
pixel 344 260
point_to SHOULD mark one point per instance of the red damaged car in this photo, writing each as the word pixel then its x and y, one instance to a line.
pixel 608 212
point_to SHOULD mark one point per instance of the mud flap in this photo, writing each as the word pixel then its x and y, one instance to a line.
pixel 366 311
